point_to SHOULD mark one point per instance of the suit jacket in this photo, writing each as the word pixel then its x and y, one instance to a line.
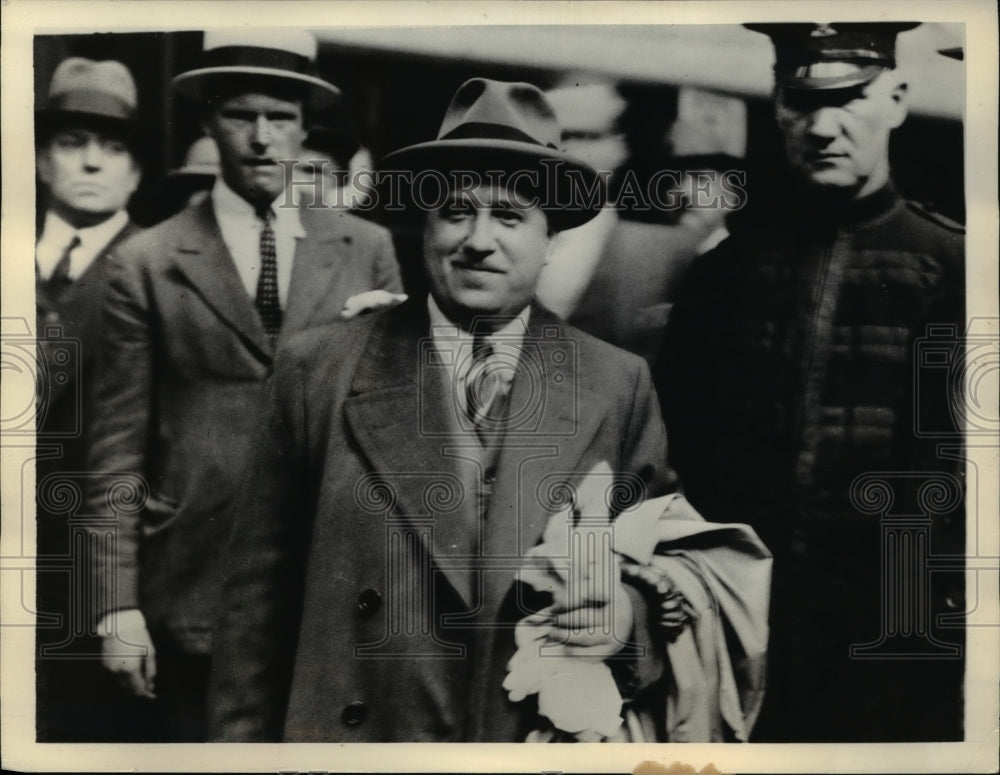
pixel 185 359
pixel 68 329
pixel 68 335
pixel 368 597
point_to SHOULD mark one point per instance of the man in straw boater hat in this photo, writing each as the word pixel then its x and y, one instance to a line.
pixel 86 136
pixel 801 400
pixel 194 315
pixel 413 462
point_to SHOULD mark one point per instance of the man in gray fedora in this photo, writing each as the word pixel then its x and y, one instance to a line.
pixel 407 470
pixel 86 158
pixel 196 310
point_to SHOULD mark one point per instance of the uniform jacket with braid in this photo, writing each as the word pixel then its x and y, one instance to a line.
pixel 788 372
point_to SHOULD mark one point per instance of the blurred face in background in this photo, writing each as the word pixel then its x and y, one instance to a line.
pixel 255 131
pixel 484 251
pixel 704 200
pixel 317 179
pixel 90 174
pixel 838 139
pixel 589 116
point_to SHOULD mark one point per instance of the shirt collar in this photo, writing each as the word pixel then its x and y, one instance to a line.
pixel 57 230
pixel 95 238
pixel 510 335
pixel 230 205
pixel 57 234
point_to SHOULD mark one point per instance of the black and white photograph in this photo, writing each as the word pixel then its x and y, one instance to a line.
pixel 623 374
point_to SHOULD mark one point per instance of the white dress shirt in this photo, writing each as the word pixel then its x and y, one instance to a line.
pixel 454 345
pixel 57 235
pixel 240 229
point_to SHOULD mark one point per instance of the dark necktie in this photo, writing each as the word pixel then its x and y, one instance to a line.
pixel 60 278
pixel 267 302
pixel 484 385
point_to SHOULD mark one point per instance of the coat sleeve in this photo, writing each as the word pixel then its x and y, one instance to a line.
pixel 644 451
pixel 123 414
pixel 255 642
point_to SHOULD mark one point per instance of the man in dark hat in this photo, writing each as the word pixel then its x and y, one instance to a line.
pixel 195 312
pixel 87 164
pixel 788 376
pixel 404 472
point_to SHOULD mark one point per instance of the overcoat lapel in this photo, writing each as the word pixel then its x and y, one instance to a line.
pixel 399 414
pixel 202 257
pixel 535 454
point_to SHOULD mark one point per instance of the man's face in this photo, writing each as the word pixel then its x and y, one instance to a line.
pixel 839 138
pixel 254 133
pixel 90 174
pixel 484 251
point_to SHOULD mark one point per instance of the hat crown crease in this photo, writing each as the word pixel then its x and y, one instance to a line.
pixel 520 107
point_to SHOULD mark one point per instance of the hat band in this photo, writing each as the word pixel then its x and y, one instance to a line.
pixel 481 130
pixel 256 56
pixel 93 101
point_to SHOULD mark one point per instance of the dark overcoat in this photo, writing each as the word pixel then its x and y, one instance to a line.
pixel 369 598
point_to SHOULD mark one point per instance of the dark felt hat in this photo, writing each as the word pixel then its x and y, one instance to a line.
pixel 831 55
pixel 499 125
pixel 85 92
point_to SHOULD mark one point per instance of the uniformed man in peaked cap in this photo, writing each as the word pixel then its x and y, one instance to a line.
pixel 787 379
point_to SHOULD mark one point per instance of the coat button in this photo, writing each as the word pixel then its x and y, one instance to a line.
pixel 354 713
pixel 369 602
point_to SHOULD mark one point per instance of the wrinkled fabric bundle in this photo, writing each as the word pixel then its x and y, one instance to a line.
pixel 715 669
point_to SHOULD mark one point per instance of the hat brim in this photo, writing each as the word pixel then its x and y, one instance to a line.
pixel 192 83
pixel 48 121
pixel 569 183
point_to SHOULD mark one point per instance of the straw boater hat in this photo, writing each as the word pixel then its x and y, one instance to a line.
pixel 508 126
pixel 89 93
pixel 832 55
pixel 287 57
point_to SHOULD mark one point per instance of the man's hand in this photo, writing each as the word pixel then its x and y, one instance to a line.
pixel 127 651
pixel 592 615
pixel 593 628
pixel 369 301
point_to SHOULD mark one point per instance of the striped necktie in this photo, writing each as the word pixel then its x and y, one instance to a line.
pixel 267 301
pixel 484 384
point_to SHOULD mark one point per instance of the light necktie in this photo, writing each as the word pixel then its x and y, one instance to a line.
pixel 267 301
pixel 60 276
pixel 484 384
